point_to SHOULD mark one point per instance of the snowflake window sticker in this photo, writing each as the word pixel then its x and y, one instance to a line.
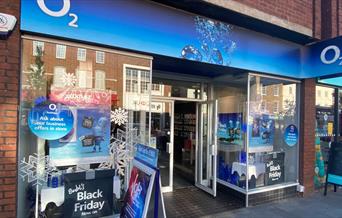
pixel 37 169
pixel 119 116
pixel 69 79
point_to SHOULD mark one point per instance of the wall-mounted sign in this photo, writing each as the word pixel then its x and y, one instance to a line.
pixel 50 120
pixel 86 197
pixel 7 23
pixel 291 135
pixel 274 168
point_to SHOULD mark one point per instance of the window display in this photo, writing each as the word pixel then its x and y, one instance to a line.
pixel 78 128
pixel 273 134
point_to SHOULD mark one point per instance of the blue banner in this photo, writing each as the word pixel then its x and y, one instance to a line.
pixel 155 29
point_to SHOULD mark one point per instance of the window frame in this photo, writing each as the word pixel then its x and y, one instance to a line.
pixel 78 54
pixel 35 44
pixel 97 60
pixel 58 51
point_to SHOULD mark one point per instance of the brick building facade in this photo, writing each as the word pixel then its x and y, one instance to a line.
pixel 316 19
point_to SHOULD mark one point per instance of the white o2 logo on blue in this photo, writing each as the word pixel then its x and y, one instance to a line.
pixel 336 55
pixel 62 12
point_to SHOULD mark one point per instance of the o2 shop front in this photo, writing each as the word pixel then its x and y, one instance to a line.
pixel 220 104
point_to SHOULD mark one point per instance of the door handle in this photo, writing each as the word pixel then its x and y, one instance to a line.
pixel 213 150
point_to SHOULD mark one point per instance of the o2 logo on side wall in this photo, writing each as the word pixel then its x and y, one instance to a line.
pixel 62 12
pixel 331 54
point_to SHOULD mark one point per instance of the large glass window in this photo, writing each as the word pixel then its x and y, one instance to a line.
pixel 76 122
pixel 273 132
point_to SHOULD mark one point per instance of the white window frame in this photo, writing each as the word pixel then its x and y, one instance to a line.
pixel 57 79
pixel 275 105
pixel 125 66
pixel 88 79
pixel 60 51
pixel 263 90
pixel 82 51
pixel 276 90
pixel 100 79
pixel 98 60
pixel 36 44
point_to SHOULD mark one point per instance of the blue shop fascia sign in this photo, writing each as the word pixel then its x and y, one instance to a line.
pixel 152 28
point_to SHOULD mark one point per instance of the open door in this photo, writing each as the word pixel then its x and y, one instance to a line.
pixel 206 149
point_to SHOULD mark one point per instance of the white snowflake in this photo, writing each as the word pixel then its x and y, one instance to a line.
pixel 121 150
pixel 119 116
pixel 37 169
pixel 69 79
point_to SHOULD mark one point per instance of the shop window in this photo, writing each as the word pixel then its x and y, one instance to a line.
pixel 60 51
pixel 100 57
pixel 37 46
pixel 69 120
pixel 81 54
pixel 100 79
pixel 156 87
pixel 58 75
pixel 276 90
pixel 273 136
pixel 85 79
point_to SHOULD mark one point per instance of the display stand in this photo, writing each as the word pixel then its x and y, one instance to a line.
pixel 144 180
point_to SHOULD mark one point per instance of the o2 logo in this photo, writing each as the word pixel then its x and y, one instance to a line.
pixel 336 55
pixel 62 12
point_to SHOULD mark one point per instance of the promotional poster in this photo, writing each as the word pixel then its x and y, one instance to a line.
pixel 138 195
pixel 291 135
pixel 261 133
pixel 49 120
pixel 88 197
pixel 89 138
pixel 229 128
pixel 274 168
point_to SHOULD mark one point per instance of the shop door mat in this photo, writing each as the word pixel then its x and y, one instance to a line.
pixel 193 202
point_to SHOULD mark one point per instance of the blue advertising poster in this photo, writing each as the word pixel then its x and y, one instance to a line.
pixel 49 120
pixel 291 135
pixel 137 198
pixel 89 139
pixel 229 128
pixel 147 154
pixel 261 133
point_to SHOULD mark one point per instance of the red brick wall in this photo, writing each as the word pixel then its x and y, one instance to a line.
pixel 307 142
pixel 9 84
pixel 295 11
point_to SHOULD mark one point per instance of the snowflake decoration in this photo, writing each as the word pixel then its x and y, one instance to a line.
pixel 37 169
pixel 121 150
pixel 119 116
pixel 69 79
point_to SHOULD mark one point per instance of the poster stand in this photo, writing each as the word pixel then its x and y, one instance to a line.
pixel 144 183
pixel 334 172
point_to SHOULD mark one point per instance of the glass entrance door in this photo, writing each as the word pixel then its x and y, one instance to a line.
pixel 162 139
pixel 206 149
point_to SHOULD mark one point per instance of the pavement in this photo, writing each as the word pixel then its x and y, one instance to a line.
pixel 313 206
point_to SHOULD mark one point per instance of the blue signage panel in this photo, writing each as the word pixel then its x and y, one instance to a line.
pixel 50 121
pixel 291 135
pixel 149 27
pixel 147 154
pixel 323 58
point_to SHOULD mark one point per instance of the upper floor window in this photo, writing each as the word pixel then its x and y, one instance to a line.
pixel 144 81
pixel 276 90
pixel 60 51
pixel 276 107
pixel 100 57
pixel 132 80
pixel 100 79
pixel 81 54
pixel 58 75
pixel 36 46
pixel 263 90
pixel 85 79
